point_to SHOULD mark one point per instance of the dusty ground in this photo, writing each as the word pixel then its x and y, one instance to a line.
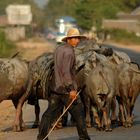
pixel 33 48
pixel 29 50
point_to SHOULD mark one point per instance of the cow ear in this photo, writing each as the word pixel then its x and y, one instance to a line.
pixel 26 61
pixel 13 56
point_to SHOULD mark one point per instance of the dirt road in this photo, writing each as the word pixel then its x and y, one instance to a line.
pixel 7 111
pixel 70 133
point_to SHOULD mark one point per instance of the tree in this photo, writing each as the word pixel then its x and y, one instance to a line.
pixel 93 11
pixel 57 8
pixel 84 15
pixel 131 4
pixel 88 13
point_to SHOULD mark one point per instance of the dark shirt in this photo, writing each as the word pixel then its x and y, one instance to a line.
pixel 64 69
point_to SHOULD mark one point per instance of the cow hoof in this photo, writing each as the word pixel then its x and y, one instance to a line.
pixel 127 125
pixel 58 126
pixel 99 129
pixel 113 121
pixel 17 129
pixel 14 129
pixel 35 125
pixel 120 123
pixel 108 129
pixel 23 125
pixel 89 126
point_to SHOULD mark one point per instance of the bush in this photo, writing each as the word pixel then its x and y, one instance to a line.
pixel 123 36
pixel 7 47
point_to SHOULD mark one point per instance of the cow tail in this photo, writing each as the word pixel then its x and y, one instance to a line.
pixel 26 94
pixel 100 72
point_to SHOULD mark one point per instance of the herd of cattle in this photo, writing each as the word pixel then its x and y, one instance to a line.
pixel 105 76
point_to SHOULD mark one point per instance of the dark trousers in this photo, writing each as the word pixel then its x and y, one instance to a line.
pixel 55 106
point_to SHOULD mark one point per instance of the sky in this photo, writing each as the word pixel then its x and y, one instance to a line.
pixel 41 3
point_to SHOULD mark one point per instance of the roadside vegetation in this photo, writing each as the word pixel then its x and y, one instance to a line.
pixel 7 47
pixel 122 36
pixel 89 13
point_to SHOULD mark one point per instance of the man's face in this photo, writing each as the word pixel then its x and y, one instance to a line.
pixel 74 41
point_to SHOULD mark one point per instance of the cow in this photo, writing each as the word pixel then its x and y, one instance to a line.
pixel 111 63
pixel 13 83
pixel 101 87
pixel 101 90
pixel 85 53
pixel 129 88
pixel 40 68
pixel 39 73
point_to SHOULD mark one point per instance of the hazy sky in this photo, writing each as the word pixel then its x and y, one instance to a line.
pixel 41 2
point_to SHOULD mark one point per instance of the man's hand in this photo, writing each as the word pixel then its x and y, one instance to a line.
pixel 73 94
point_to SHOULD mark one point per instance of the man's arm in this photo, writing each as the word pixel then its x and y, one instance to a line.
pixel 68 80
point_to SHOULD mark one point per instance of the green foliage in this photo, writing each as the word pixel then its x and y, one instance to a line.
pixel 132 3
pixel 3 5
pixel 58 8
pixel 87 12
pixel 6 47
pixel 123 36
pixel 96 11
pixel 84 17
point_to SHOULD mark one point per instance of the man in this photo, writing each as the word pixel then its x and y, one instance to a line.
pixel 64 88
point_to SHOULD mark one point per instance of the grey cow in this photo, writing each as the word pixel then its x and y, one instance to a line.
pixel 39 73
pixel 13 83
pixel 101 88
pixel 129 89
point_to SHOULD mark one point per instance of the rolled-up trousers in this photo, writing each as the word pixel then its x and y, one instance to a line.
pixel 56 103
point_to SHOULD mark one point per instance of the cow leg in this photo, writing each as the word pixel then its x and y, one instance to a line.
pixel 37 112
pixel 36 106
pixel 126 105
pixel 88 112
pixel 131 107
pixel 20 105
pixel 131 115
pixel 65 119
pixel 59 125
pixel 87 107
pixel 128 116
pixel 107 120
pixel 97 119
pixel 18 124
pixel 113 111
pixel 107 109
pixel 132 102
pixel 121 115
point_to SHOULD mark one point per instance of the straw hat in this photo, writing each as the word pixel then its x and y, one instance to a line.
pixel 73 32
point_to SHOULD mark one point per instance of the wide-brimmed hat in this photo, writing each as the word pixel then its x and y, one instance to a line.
pixel 73 32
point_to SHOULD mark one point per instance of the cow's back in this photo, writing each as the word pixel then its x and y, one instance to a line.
pixel 13 77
